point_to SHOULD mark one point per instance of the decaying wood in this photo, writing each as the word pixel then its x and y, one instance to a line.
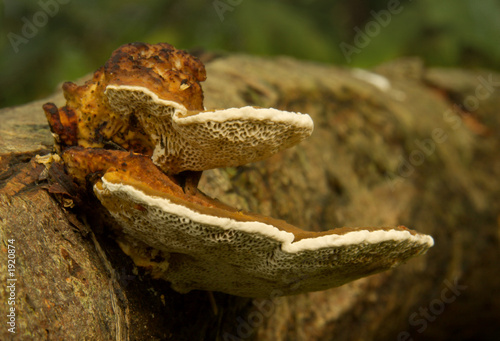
pixel 421 151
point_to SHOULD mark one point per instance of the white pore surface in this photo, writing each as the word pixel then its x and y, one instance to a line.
pixel 182 211
pixel 295 119
pixel 286 238
pixel 358 237
pixel 154 97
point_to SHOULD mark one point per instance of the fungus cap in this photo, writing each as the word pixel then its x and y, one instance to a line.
pixel 88 120
pixel 148 99
pixel 172 74
pixel 200 140
pixel 252 258
pixel 207 245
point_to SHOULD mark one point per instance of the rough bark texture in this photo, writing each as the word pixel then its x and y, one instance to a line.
pixel 421 151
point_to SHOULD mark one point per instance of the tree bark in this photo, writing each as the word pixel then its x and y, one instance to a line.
pixel 411 146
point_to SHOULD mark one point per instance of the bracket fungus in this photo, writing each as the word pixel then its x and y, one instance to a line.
pixel 184 236
pixel 148 99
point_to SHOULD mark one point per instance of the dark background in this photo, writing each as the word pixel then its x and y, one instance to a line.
pixel 44 42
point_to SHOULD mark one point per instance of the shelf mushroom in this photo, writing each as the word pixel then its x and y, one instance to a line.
pixel 196 242
pixel 147 101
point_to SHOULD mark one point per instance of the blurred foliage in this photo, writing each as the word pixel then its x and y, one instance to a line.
pixel 74 37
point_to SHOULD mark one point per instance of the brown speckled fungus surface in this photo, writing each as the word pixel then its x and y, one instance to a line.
pixel 147 100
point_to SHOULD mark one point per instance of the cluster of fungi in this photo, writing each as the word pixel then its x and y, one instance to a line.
pixel 140 124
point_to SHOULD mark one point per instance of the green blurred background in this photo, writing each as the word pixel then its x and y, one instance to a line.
pixel 44 42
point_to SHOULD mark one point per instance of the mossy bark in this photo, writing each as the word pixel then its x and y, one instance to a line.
pixel 418 147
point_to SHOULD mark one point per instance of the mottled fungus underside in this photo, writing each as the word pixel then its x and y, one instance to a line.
pixel 147 100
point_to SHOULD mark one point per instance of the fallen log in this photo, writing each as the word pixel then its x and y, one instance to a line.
pixel 403 144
